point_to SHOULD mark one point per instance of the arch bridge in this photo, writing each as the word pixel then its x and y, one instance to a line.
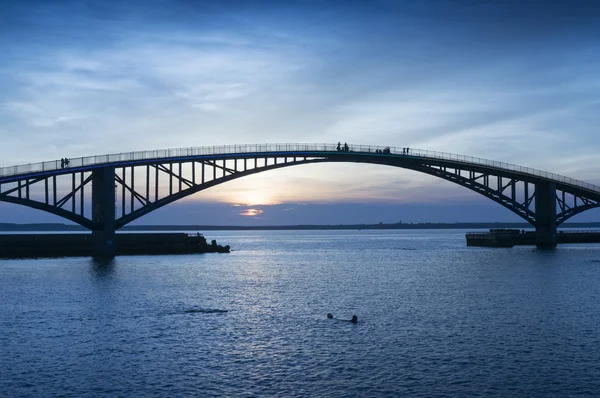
pixel 104 193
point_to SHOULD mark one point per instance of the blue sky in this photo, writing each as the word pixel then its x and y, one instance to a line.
pixel 515 81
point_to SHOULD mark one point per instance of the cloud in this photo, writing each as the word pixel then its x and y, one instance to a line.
pixel 252 213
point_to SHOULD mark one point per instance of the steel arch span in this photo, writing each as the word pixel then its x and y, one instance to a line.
pixel 86 190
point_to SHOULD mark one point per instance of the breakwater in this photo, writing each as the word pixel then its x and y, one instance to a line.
pixel 516 237
pixel 74 245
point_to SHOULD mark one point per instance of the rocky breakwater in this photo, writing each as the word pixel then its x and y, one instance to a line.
pixel 69 245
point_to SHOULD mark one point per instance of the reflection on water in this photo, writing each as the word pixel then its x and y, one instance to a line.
pixel 102 267
pixel 434 318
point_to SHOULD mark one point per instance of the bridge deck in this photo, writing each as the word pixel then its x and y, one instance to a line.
pixel 281 150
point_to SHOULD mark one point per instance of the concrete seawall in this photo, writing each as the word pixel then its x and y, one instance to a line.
pixel 74 245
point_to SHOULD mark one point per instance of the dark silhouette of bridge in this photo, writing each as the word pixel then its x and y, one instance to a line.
pixel 104 193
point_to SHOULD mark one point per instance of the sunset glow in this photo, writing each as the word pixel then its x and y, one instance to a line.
pixel 252 198
pixel 251 212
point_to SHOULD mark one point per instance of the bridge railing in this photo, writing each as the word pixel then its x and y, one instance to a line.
pixel 499 165
pixel 278 148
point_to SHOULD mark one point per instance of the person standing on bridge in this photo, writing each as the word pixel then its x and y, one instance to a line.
pixel 62 163
pixel 346 147
pixel 339 147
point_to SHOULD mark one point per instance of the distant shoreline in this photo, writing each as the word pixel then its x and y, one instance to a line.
pixel 482 225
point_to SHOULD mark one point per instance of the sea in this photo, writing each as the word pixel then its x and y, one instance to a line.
pixel 435 319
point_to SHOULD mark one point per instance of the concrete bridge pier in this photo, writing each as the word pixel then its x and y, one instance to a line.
pixel 103 212
pixel 545 214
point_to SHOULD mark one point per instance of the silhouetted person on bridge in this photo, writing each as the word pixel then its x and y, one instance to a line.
pixel 339 147
pixel 62 163
pixel 67 162
pixel 346 148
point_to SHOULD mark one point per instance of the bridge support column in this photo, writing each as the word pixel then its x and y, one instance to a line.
pixel 103 212
pixel 545 214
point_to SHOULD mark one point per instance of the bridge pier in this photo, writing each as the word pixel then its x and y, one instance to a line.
pixel 103 212
pixel 545 214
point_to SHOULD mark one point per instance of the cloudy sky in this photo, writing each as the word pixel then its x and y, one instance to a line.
pixel 515 81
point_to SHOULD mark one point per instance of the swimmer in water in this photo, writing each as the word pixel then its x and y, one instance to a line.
pixel 353 320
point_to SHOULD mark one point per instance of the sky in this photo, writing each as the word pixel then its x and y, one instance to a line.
pixel 514 81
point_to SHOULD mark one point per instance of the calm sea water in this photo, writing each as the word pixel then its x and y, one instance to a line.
pixel 436 318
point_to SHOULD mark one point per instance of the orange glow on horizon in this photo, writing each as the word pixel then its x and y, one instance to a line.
pixel 251 212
